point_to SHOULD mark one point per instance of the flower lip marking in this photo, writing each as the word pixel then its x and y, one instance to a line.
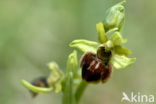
pixel 91 65
pixel 97 66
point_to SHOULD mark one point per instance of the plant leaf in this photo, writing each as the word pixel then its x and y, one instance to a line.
pixel 85 45
pixel 71 69
pixel 72 63
pixel 121 62
pixel 101 33
pixel 117 39
pixel 122 51
pixel 35 88
pixel 68 97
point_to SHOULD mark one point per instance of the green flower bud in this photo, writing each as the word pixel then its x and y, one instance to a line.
pixel 115 17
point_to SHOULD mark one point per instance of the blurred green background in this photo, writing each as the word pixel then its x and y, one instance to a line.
pixel 35 32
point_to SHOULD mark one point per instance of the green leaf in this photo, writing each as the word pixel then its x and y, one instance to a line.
pixel 101 33
pixel 121 62
pixel 68 97
pixel 72 63
pixel 36 89
pixel 85 45
pixel 122 51
pixel 115 17
pixel 117 39
pixel 77 77
pixel 72 66
pixel 71 69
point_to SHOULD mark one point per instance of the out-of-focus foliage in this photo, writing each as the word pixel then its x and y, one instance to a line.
pixel 35 32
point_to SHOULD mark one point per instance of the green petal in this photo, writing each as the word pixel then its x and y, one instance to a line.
pixel 101 33
pixel 117 39
pixel 85 45
pixel 122 51
pixel 77 77
pixel 121 62
pixel 36 89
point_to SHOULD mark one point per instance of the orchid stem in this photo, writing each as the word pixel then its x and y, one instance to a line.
pixel 80 90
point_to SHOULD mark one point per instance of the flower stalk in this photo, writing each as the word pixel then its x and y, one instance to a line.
pixel 80 90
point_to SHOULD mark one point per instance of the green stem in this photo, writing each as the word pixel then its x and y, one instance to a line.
pixel 67 92
pixel 80 90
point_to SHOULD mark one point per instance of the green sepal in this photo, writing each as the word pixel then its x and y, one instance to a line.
pixel 85 45
pixel 117 39
pixel 121 62
pixel 58 86
pixel 55 77
pixel 122 51
pixel 102 37
pixel 35 88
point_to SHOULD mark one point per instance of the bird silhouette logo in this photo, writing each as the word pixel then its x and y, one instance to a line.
pixel 125 97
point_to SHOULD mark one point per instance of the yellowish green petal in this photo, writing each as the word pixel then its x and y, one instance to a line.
pixel 101 33
pixel 121 62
